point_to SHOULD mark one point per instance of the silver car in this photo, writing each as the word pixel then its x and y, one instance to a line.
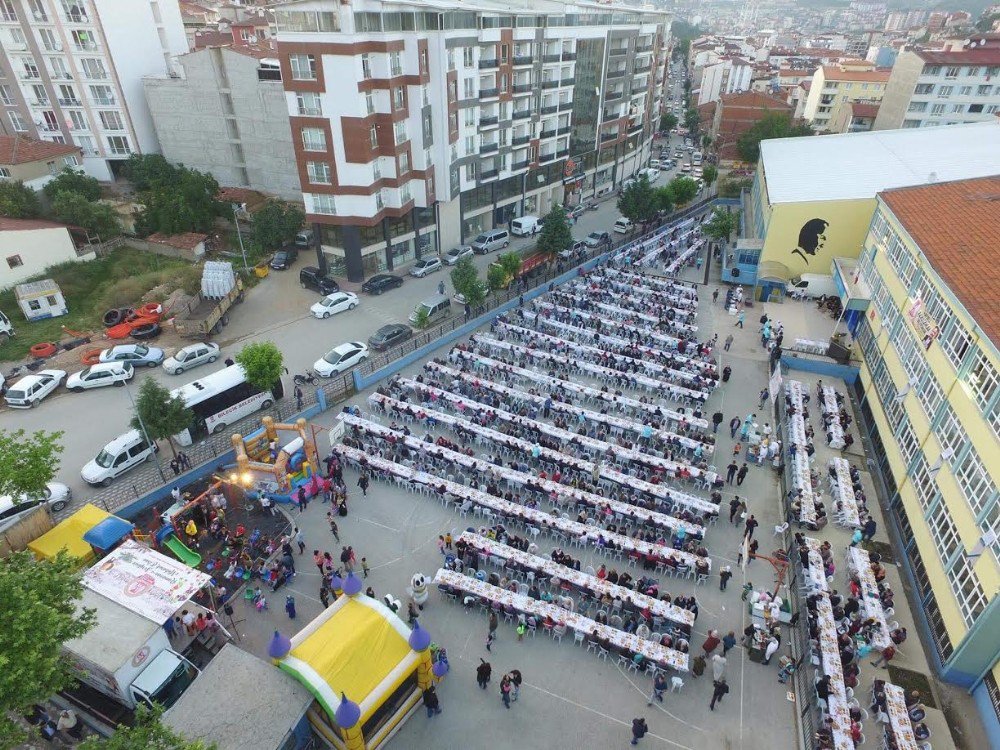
pixel 457 253
pixel 190 356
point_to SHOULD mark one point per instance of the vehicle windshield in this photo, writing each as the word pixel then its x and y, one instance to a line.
pixel 481 238
pixel 455 251
pixel 594 236
pixel 173 688
pixel 104 459
pixel 15 394
pixel 84 372
pixel 333 357
pixel 141 350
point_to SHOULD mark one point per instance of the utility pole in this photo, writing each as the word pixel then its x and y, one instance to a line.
pixel 237 207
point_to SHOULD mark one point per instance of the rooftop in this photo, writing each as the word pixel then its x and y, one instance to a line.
pixel 15 149
pixel 985 56
pixel 836 73
pixel 957 227
pixel 880 160
pixel 24 225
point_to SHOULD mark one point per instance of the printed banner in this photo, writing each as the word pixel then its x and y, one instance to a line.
pixel 922 322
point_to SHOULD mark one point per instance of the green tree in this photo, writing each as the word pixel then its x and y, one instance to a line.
pixel 668 121
pixel 691 119
pixel 510 263
pixel 146 171
pixel 556 234
pixel 275 223
pixel 148 733
pixel 465 279
pixel 159 413
pixel 637 202
pixel 28 462
pixel 706 141
pixel 39 601
pixel 175 199
pixel 722 224
pixel 75 182
pixel 770 126
pixel 664 199
pixel 709 174
pixel 97 218
pixel 18 201
pixel 422 319
pixel 496 277
pixel 732 188
pixel 263 363
pixel 683 189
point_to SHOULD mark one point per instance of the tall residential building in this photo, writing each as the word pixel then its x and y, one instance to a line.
pixel 929 390
pixel 71 72
pixel 418 126
pixel 833 86
pixel 943 87
pixel 727 75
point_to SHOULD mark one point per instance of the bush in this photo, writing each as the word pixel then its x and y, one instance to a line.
pixel 422 319
pixel 72 181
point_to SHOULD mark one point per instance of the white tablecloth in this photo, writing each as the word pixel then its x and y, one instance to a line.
pixel 816 570
pixel 899 718
pixel 833 668
pixel 860 564
pixel 829 406
pixel 634 284
pixel 843 490
pixel 580 293
pixel 666 285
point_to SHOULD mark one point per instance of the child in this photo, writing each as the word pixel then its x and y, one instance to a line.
pixel 490 637
pixel 364 566
pixel 522 628
pixel 447 541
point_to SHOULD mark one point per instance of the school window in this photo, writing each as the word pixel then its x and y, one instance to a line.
pixel 923 483
pixel 975 482
pixel 313 139
pixel 303 67
pixel 950 433
pixel 319 172
pixel 945 534
pixel 968 590
pixel 956 343
pixel 907 440
pixel 931 395
pixel 373 136
pixel 994 418
pixel 14 261
pixel 982 379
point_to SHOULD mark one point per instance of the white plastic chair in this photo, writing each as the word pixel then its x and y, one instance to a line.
pixel 676 683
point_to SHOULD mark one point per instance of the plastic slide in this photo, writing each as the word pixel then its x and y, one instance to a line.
pixel 184 553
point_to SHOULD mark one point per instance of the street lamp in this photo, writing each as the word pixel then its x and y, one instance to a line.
pixel 237 207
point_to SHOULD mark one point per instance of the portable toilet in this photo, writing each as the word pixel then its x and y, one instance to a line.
pixel 40 299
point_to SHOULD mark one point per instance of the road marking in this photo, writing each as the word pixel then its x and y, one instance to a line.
pixel 380 525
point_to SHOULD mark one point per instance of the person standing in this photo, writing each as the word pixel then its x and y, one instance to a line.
pixel 431 702
pixel 515 681
pixel 731 472
pixel 885 657
pixel 740 319
pixel 639 729
pixel 750 525
pixel 300 540
pixel 741 475
pixel 363 483
pixel 659 688
pixel 734 426
pixel 724 575
pixel 334 529
pixel 483 673
pixel 290 606
pixel 868 532
pixel 716 421
pixel 718 667
pixel 721 688
pixel 715 295
pixel 298 398
pixel 505 689
pixel 728 641
pixel 729 342
pixel 303 500
pixel 734 506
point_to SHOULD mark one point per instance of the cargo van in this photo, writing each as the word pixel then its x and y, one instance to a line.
pixel 487 242
pixel 525 226
pixel 438 306
pixel 623 225
pixel 121 454
pixel 813 285
pixel 304 238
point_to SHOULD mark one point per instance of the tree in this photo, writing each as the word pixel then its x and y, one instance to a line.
pixel 692 120
pixel 683 189
pixel 75 182
pixel 732 188
pixel 771 125
pixel 160 414
pixel 275 223
pixel 97 218
pixel 722 224
pixel 28 463
pixel 465 279
pixel 422 319
pixel 175 199
pixel 263 363
pixel 664 199
pixel 18 201
pixel 668 121
pixel 709 174
pixel 146 171
pixel 637 202
pixel 39 601
pixel 148 733
pixel 510 263
pixel 496 277
pixel 706 141
pixel 556 234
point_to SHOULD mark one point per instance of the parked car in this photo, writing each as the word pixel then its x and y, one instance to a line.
pixel 487 242
pixel 576 249
pixel 623 225
pixel 56 495
pixel 425 266
pixel 311 278
pixel 457 253
pixel 31 389
pixel 333 304
pixel 389 335
pixel 341 358
pixel 655 164
pixel 380 283
pixel 284 258
pixel 99 375
pixel 135 354
pixel 123 453
pixel 304 238
pixel 190 356
pixel 596 239
pixel 460 298
pixel 578 210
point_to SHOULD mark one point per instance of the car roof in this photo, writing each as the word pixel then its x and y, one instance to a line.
pixel 347 346
pixel 26 381
pixel 109 365
pixel 126 438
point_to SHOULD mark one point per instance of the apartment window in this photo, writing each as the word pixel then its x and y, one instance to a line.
pixel 7 12
pixel 40 94
pixel 366 65
pixel 71 161
pixel 908 445
pixel 309 104
pixel 452 91
pixel 94 69
pixel 370 102
pixel 67 95
pixel 924 88
pixel 17 122
pixel 503 83
pixel 319 172
pixel 376 171
pixel 37 8
pixel 470 145
pixel 469 88
pixel 379 201
pixel 373 136
pixel 468 57
pixel 956 343
pixel 324 204
pixel 75 11
pixel 4 173
pixel 59 69
pixel 399 132
pixel 965 91
pixel 917 107
pixel 975 482
pixel 119 145
pixel 992 109
pixel 404 163
pixel 49 40
pixel 975 109
pixel 968 590
pixel 6 97
pixel 470 171
pixel 102 95
pixel 84 40
pixel 303 67
pixel 451 59
pixel 453 121
pixel 395 64
pixel 86 144
pixel 972 72
pixel 982 379
pixel 30 69
pixel 469 116
pixel 951 72
pixel 111 121
pixel 14 261
pixel 425 97
pixel 944 532
pixel 404 194
pixel 945 90
pixel 313 139
pixel 398 98
pixel 423 61
pixel 983 90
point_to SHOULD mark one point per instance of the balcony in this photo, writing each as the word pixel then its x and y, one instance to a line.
pixel 647 48
pixel 569 56
pixel 550 84
pixel 489 64
pixel 9 16
pixel 545 158
pixel 550 109
pixel 523 114
pixel 635 128
pixel 523 88
pixel 564 130
pixel 641 68
pixel 549 133
pixel 485 121
pixel 28 75
pixel 39 103
pixel 608 137
pixel 561 153
pixel 618 51
pixel 490 175
pixel 613 74
pixel 85 46
pixel 565 106
pixel 551 58
pixel 76 16
pixel 488 148
pixel 567 81
pixel 520 140
pixel 519 165
pixel 614 96
pixel 101 101
pixel 48 128
pixel 523 60
pixel 489 93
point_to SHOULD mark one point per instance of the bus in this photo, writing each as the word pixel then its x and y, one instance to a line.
pixel 221 399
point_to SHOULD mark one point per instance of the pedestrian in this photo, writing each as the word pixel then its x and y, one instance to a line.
pixel 728 641
pixel 183 460
pixel 521 629
pixel 515 681
pixel 886 656
pixel 729 342
pixel 441 287
pixel 724 575
pixel 505 689
pixel 448 541
pixel 300 540
pixel 718 667
pixel 290 606
pixel 712 641
pixel 318 560
pixel 440 543
pixel 334 529
pixel 716 421
pixel 483 673
pixel 303 500
pixel 868 531
pixel 734 506
pixel 721 688
pixel 726 372
pixel 741 474
pixel 490 637
pixel 740 318
pixel 324 595
pixel 431 702
pixel 175 466
pixel 298 398
pixel 364 567
pixel 715 295
pixel 659 687
pixel 345 559
pixel 762 398
pixel 639 729
pixel 363 483
pixel 698 665
pixel 731 472
pixel 749 526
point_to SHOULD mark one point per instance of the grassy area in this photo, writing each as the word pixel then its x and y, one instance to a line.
pixel 122 278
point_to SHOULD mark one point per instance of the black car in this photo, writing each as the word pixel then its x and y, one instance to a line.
pixel 284 258
pixel 311 278
pixel 388 336
pixel 381 283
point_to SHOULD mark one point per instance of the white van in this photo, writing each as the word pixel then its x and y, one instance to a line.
pixel 623 225
pixel 436 306
pixel 525 226
pixel 813 285
pixel 121 454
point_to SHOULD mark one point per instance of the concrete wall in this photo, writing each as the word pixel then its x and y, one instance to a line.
pixel 38 249
pixel 192 124
pixel 898 91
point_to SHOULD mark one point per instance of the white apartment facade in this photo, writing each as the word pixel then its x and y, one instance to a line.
pixel 728 75
pixel 929 88
pixel 417 126
pixel 71 72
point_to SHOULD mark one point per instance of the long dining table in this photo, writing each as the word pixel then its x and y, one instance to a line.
pixel 582 298
pixel 651 282
pixel 836 704
pixel 859 563
pixel 816 569
pixel 661 655
pixel 899 718
pixel 625 285
pixel 593 584
pixel 842 489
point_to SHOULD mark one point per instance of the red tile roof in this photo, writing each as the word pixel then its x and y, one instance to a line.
pixel 22 225
pixel 831 73
pixel 987 56
pixel 863 110
pixel 957 226
pixel 15 149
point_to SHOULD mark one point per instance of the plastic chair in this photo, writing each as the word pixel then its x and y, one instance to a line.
pixel 676 683
pixel 578 636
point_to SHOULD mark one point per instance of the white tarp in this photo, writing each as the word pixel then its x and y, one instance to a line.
pixel 144 581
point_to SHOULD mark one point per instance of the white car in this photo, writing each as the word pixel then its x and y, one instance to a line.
pixel 191 356
pixel 29 390
pixel 99 375
pixel 334 303
pixel 56 495
pixel 460 298
pixel 457 253
pixel 341 358
pixel 425 266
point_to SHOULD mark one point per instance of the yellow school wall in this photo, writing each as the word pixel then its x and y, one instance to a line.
pixel 847 225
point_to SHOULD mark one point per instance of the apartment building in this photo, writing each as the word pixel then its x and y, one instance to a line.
pixel 727 75
pixel 418 127
pixel 71 72
pixel 834 86
pixel 928 88
pixel 930 394
pixel 736 114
